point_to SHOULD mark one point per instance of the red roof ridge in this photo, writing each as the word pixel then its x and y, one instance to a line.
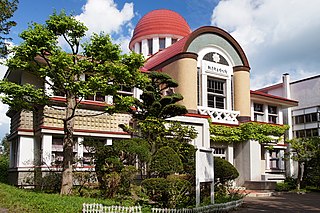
pixel 272 96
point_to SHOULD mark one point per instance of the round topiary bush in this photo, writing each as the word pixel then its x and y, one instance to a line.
pixel 224 171
pixel 165 162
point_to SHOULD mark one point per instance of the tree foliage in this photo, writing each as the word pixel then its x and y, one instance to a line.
pixel 165 162
pixel 306 151
pixel 156 101
pixel 58 72
pixel 7 8
pixel 264 133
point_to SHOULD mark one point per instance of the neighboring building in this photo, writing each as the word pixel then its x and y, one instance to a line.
pixel 304 118
pixel 213 73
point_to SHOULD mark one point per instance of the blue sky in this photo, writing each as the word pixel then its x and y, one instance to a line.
pixel 277 36
pixel 38 11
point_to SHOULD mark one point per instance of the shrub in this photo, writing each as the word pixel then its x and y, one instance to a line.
pixel 287 185
pixel 224 171
pixel 165 162
pixel 127 175
pixel 179 191
pixel 51 183
pixel 156 189
pixel 112 181
pixel 170 193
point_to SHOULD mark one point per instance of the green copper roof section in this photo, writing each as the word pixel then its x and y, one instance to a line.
pixel 210 39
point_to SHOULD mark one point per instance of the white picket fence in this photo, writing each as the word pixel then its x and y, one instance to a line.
pixel 99 208
pixel 224 207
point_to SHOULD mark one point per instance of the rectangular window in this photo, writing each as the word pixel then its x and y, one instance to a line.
pixel 258 112
pixel 299 119
pixel 300 134
pixel 162 43
pixel 150 46
pixel 258 107
pixel 313 117
pixel 174 40
pixel 216 93
pixel 272 114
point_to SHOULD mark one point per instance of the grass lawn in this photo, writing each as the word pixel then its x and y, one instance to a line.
pixel 19 200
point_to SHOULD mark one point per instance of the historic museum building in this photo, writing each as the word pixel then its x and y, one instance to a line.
pixel 213 73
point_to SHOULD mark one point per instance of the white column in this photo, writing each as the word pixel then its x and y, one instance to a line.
pixel 197 192
pixel 280 116
pixel 109 141
pixel 228 98
pixel 267 157
pixel 168 41
pixel 137 47
pixel 25 151
pixel 204 90
pixel 80 147
pixel 230 154
pixel 136 93
pixel 47 87
pixel 266 113
pixel 145 48
pixel 80 150
pixel 252 110
pixel 46 149
pixel 281 160
pixel 155 44
pixel 212 192
pixel 255 159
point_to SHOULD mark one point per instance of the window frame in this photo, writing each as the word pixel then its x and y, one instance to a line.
pixel 215 93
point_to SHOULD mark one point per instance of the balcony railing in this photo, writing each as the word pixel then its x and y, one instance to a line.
pixel 220 115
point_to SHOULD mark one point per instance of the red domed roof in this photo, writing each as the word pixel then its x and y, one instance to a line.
pixel 161 22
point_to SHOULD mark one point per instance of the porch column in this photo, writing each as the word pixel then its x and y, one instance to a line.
pixel 241 76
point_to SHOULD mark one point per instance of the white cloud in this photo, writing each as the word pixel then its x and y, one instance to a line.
pixel 103 15
pixel 277 36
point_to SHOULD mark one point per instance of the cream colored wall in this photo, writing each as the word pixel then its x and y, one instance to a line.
pixel 242 92
pixel 184 71
pixel 104 122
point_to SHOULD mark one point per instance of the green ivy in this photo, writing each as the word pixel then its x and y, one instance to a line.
pixel 264 133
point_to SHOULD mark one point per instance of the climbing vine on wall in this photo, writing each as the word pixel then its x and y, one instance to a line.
pixel 264 133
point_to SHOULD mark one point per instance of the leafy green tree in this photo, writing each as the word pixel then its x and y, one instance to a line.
pixel 7 9
pixel 304 151
pixel 62 72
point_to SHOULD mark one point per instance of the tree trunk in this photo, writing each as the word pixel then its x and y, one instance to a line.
pixel 300 174
pixel 68 143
